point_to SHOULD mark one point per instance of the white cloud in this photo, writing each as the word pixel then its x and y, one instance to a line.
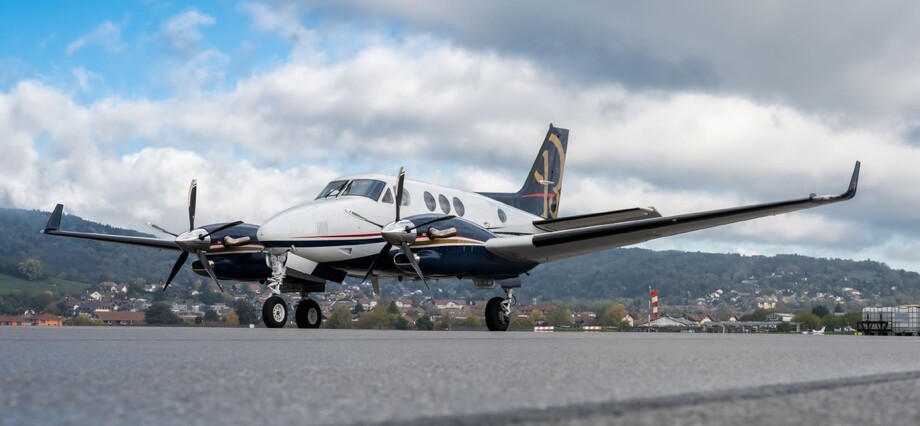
pixel 85 78
pixel 476 116
pixel 183 31
pixel 107 35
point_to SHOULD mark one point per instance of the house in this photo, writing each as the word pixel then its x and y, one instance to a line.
pixel 46 320
pixel 777 317
pixel 699 319
pixel 585 317
pixel 95 296
pixel 403 302
pixel 13 321
pixel 663 322
pixel 443 304
pixel 119 318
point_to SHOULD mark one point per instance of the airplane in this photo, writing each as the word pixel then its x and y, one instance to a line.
pixel 374 226
pixel 815 332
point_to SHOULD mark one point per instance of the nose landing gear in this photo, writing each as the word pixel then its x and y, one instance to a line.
pixel 498 311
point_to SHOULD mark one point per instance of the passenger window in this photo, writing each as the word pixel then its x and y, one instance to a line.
pixel 388 197
pixel 445 205
pixel 502 216
pixel 429 201
pixel 458 207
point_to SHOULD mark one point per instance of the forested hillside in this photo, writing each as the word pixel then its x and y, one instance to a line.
pixel 682 278
pixel 75 259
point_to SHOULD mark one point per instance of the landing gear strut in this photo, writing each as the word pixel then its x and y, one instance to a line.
pixel 498 311
pixel 308 314
pixel 274 312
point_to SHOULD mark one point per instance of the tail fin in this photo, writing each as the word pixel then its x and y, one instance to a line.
pixel 542 187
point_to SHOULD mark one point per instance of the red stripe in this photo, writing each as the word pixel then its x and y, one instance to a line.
pixel 540 195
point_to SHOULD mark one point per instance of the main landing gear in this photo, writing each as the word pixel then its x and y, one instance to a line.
pixel 307 313
pixel 498 311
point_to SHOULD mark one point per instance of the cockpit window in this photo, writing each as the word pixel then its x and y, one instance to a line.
pixel 365 188
pixel 388 197
pixel 332 189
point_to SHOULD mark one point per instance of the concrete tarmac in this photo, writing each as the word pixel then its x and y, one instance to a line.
pixel 148 375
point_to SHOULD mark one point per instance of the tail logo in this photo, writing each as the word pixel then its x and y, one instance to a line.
pixel 551 209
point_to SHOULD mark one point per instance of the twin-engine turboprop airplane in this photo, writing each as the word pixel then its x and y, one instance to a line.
pixel 373 226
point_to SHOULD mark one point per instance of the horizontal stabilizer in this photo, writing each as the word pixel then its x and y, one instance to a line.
pixel 594 219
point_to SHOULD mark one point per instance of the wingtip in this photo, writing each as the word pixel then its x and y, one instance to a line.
pixel 854 182
pixel 54 222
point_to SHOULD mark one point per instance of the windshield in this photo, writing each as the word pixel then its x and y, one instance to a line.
pixel 332 189
pixel 365 187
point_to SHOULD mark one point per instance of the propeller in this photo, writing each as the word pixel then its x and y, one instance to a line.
pixel 399 233
pixel 194 240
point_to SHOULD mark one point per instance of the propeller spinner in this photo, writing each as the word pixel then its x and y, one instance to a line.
pixel 399 233
pixel 194 240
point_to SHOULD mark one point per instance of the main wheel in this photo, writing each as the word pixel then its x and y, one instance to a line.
pixel 274 312
pixel 308 314
pixel 495 318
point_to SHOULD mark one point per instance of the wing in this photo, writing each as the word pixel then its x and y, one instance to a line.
pixel 54 222
pixel 594 219
pixel 573 242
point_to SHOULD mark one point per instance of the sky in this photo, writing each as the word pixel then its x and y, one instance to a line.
pixel 113 107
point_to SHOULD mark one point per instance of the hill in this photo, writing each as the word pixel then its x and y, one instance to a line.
pixel 694 279
pixel 74 260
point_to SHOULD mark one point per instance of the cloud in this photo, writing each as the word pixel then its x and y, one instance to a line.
pixel 107 35
pixel 85 78
pixel 183 31
pixel 474 116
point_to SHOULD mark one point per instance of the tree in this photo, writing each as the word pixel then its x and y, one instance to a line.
pixel 820 311
pixel 247 314
pixel 838 308
pixel 32 269
pixel 424 323
pixel 613 315
pixel 358 308
pixel 210 315
pixel 82 320
pixel 472 321
pixel 160 313
pixel 559 317
pixel 444 323
pixel 340 318
pixel 233 319
pixel 401 324
pixel 377 318
pixel 392 308
pixel 808 320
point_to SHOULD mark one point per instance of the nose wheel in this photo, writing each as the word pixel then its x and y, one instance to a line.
pixel 274 312
pixel 308 314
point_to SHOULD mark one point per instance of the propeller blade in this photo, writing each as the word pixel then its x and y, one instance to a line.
pixel 192 200
pixel 375 282
pixel 408 252
pixel 221 228
pixel 175 269
pixel 207 267
pixel 154 226
pixel 383 252
pixel 363 218
pixel 430 222
pixel 399 191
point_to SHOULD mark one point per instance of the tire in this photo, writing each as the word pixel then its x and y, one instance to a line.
pixel 308 314
pixel 495 321
pixel 274 312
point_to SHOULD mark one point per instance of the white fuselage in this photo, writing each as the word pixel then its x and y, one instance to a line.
pixel 322 231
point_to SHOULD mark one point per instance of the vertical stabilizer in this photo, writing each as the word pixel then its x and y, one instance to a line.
pixel 542 189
